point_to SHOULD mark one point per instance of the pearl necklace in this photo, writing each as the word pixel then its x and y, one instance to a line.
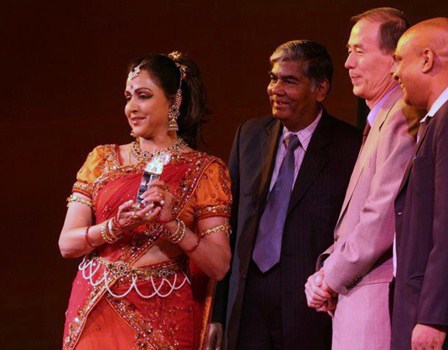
pixel 145 156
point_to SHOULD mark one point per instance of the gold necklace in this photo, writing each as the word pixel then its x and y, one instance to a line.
pixel 145 156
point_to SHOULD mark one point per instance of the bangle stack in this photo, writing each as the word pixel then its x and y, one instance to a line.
pixel 115 228
pixel 109 232
pixel 179 234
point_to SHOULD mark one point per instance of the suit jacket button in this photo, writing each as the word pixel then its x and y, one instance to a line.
pixel 243 276
pixel 399 213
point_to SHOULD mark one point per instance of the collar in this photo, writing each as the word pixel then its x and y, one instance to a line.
pixel 305 134
pixel 375 110
pixel 443 97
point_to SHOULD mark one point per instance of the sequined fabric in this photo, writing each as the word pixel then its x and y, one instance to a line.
pixel 201 187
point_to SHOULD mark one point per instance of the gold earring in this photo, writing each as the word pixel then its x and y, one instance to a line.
pixel 173 112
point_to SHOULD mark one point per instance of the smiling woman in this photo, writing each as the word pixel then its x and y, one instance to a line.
pixel 149 268
pixel 147 107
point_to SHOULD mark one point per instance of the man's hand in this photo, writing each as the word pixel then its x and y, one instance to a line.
pixel 215 336
pixel 319 295
pixel 428 337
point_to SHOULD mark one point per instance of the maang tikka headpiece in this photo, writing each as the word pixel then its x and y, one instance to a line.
pixel 135 71
pixel 173 112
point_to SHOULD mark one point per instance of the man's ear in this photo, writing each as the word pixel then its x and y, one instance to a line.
pixel 428 60
pixel 322 90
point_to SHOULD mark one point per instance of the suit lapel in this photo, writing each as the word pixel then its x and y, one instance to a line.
pixel 369 147
pixel 315 158
pixel 266 145
pixel 268 152
pixel 361 162
pixel 414 155
pixel 422 137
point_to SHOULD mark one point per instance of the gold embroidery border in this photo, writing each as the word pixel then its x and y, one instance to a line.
pixel 201 161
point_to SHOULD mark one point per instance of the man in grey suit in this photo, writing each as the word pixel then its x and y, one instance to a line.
pixel 289 174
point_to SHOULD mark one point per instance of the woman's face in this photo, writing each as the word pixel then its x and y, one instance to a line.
pixel 146 106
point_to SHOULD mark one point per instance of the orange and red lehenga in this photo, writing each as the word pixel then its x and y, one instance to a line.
pixel 114 305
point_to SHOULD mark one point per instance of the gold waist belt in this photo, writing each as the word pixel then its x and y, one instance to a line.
pixel 120 269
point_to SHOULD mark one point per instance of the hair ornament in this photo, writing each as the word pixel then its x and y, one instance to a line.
pixel 135 71
pixel 175 57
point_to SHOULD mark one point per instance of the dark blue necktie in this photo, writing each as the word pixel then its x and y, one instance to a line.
pixel 270 230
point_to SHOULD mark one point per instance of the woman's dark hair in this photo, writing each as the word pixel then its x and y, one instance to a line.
pixel 193 108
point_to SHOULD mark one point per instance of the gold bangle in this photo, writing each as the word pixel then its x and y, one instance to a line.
pixel 169 234
pixel 224 228
pixel 114 233
pixel 74 198
pixel 179 234
pixel 105 233
pixel 86 237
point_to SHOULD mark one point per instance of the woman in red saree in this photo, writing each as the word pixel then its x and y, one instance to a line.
pixel 148 272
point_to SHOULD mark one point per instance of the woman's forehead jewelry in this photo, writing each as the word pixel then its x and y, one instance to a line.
pixel 135 71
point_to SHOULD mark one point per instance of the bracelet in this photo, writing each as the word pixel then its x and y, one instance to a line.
pixel 86 237
pixel 116 224
pixel 168 233
pixel 103 234
pixel 114 233
pixel 179 234
pixel 224 228
pixel 74 198
pixel 182 231
pixel 106 234
pixel 192 249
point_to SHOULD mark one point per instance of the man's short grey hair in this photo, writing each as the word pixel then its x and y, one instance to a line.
pixel 317 65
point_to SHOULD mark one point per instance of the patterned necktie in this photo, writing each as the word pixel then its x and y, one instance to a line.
pixel 270 230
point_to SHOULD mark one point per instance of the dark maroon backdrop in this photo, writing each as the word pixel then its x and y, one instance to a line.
pixel 63 74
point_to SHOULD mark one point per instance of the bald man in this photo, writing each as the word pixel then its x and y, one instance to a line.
pixel 420 314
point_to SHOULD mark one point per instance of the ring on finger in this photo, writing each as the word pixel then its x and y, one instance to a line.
pixel 148 214
pixel 135 216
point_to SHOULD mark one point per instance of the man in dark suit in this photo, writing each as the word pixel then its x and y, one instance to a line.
pixel 420 310
pixel 289 174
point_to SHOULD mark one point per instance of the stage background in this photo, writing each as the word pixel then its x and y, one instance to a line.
pixel 63 74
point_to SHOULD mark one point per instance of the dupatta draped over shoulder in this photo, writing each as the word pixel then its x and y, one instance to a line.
pixel 201 188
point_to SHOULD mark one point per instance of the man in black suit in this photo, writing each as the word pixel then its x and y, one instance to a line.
pixel 289 174
pixel 420 309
